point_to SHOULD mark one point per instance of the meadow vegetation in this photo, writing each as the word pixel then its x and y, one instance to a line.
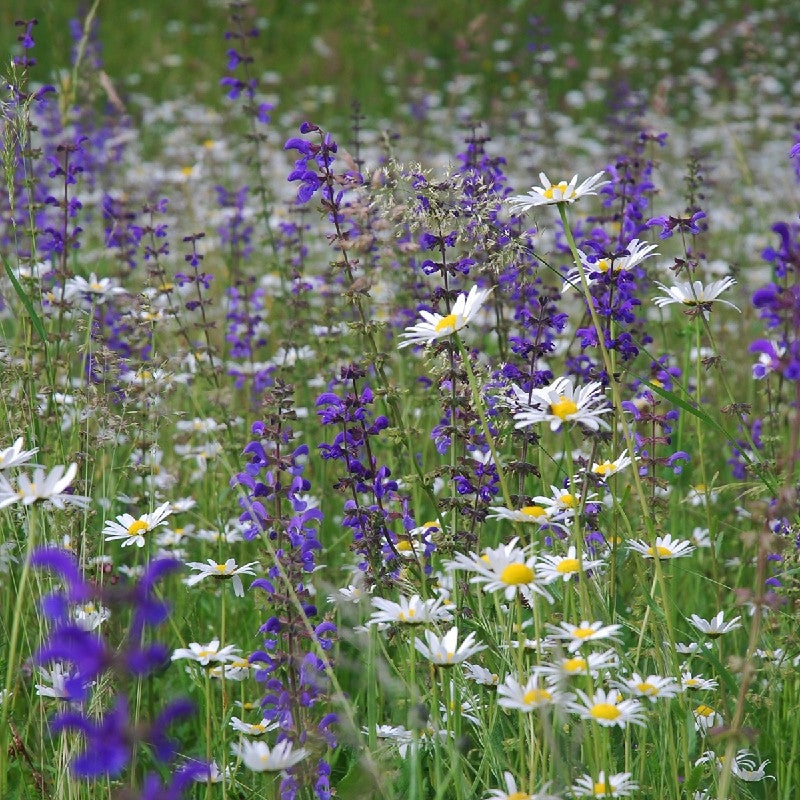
pixel 399 401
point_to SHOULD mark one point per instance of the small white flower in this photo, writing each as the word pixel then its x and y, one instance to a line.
pixel 445 651
pixel 608 709
pixel 606 469
pixel 89 617
pixel 481 675
pixel 665 547
pixel 409 611
pixel 512 793
pixel 253 729
pixel 697 682
pixel 94 290
pixel 653 687
pixel 569 666
pixel 558 403
pixel 226 571
pixel 205 654
pixel 566 567
pixel 51 488
pixel 259 757
pixel 706 717
pixel 619 785
pixel 716 626
pixel 694 295
pixel 550 194
pixel 538 515
pixel 593 265
pixel 436 326
pixel 14 456
pixel 577 635
pixel 529 695
pixel 131 530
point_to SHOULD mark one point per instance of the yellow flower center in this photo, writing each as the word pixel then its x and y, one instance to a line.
pixel 576 664
pixel 536 696
pixel 647 688
pixel 446 322
pixel 138 527
pixel 582 633
pixel 599 789
pixel 692 682
pixel 606 468
pixel 166 287
pixel 561 187
pixel 603 265
pixel 95 287
pixel 663 552
pixel 205 654
pixel 605 711
pixel 568 500
pixel 704 711
pixel 186 171
pixel 533 511
pixel 258 728
pixel 563 408
pixel 516 573
pixel 221 568
pixel 568 565
pixel 518 796
pixel 431 524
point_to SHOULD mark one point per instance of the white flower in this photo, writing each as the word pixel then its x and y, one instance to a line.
pixel 716 626
pixel 694 294
pixel 397 734
pixel 566 567
pixel 506 568
pixel 706 717
pixel 258 756
pixel 619 785
pixel 226 571
pixel 698 682
pixel 93 290
pixel 445 651
pixel 607 468
pixel 608 709
pixel 512 793
pixel 481 675
pixel 636 253
pixel 561 192
pixel 577 635
pixel 51 488
pixel 529 695
pixel 744 765
pixel 14 456
pixel 252 729
pixel 409 611
pixel 666 547
pixel 212 774
pixel 562 502
pixel 132 530
pixel 54 682
pixel 652 687
pixel 89 617
pixel 539 515
pixel 436 326
pixel 560 402
pixel 205 654
pixel 589 664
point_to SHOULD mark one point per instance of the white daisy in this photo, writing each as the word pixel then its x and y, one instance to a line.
pixel 512 793
pixel 94 290
pixel 251 729
pixel 445 651
pixel 506 568
pixel 561 402
pixel 576 635
pixel 226 571
pixel 550 194
pixel 607 469
pixel 538 515
pixel 694 295
pixel 131 530
pixel 566 567
pixel 568 666
pixel 619 785
pixel 706 717
pixel 259 757
pixel 653 687
pixel 481 675
pixel 608 709
pixel 51 488
pixel 744 766
pixel 436 326
pixel 409 611
pixel 697 682
pixel 562 502
pixel 529 695
pixel 14 456
pixel 716 626
pixel 205 654
pixel 636 253
pixel 665 547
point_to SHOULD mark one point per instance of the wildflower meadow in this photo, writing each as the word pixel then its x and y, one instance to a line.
pixel 400 401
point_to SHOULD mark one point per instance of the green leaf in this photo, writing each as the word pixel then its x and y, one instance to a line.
pixel 26 301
